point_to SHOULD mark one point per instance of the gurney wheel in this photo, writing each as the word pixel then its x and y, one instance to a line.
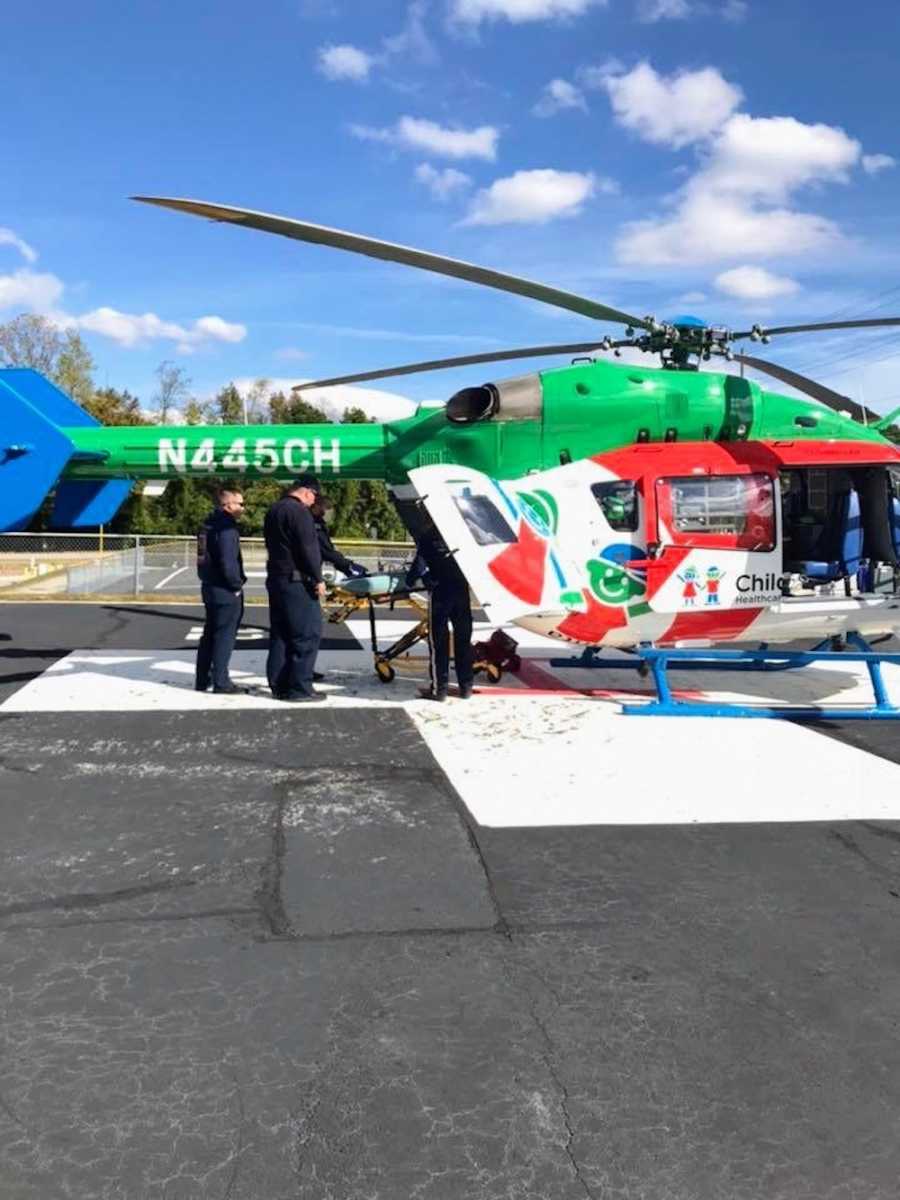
pixel 384 671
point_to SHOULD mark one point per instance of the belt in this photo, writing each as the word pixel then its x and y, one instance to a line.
pixel 290 577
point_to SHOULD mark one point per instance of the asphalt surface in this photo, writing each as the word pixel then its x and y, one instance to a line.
pixel 249 956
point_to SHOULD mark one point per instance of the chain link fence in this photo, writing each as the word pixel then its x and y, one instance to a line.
pixel 142 566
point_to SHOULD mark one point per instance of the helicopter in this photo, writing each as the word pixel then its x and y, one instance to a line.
pixel 599 503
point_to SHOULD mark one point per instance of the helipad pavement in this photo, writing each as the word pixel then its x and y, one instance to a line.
pixel 518 946
pixel 550 745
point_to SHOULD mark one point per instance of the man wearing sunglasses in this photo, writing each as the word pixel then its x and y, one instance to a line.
pixel 221 570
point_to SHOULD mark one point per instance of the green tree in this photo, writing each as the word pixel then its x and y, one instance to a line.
pixel 172 387
pixel 31 341
pixel 112 407
pixel 194 413
pixel 227 406
pixel 74 371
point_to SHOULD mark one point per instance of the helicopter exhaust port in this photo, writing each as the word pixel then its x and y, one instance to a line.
pixel 472 404
pixel 518 399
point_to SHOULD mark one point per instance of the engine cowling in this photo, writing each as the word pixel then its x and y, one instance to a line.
pixel 517 399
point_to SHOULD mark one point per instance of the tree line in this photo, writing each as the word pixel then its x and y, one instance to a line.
pixel 362 508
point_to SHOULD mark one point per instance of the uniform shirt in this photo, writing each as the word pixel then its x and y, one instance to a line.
pixel 328 550
pixel 291 541
pixel 433 558
pixel 219 559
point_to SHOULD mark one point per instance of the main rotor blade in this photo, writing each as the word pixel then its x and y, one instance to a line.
pixel 441 364
pixel 867 324
pixel 304 231
pixel 818 391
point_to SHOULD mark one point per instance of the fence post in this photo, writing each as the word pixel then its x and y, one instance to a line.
pixel 137 564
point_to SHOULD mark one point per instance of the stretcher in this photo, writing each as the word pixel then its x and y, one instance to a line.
pixel 386 590
pixel 380 591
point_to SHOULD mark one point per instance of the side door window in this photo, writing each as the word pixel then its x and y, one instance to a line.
pixel 734 512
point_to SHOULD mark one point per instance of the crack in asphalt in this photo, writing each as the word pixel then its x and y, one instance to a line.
pixel 268 894
pixel 881 831
pixel 76 900
pixel 850 843
pixel 143 919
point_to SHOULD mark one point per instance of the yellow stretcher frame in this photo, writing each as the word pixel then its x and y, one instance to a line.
pixel 382 660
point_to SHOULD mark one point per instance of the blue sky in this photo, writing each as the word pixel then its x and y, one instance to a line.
pixel 714 156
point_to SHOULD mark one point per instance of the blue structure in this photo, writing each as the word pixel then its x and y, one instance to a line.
pixel 34 451
pixel 655 661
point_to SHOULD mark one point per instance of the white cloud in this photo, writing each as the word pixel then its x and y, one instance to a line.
pixel 380 405
pixel 473 12
pixel 649 11
pixel 345 62
pixel 291 354
pixel 754 283
pixel 216 330
pixel 32 290
pixel 712 227
pixel 871 163
pixel 770 157
pixel 557 95
pixel 737 204
pixel 413 42
pixel 42 292
pixel 595 77
pixel 415 133
pixel 442 184
pixel 130 329
pixel 534 197
pixel 674 110
pixel 9 238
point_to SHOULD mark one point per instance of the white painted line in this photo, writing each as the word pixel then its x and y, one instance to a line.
pixel 539 761
pixel 163 681
pixel 244 634
pixel 523 759
pixel 162 583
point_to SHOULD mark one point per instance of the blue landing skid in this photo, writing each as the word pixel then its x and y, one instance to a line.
pixel 656 660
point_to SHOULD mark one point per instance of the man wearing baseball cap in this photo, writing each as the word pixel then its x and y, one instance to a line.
pixel 295 587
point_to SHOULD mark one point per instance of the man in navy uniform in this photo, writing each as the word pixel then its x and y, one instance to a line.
pixel 330 552
pixel 448 603
pixel 221 570
pixel 295 587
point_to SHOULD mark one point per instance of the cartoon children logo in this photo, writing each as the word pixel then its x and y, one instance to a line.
pixel 714 577
pixel 693 586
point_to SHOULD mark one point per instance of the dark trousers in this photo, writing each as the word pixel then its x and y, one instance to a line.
pixel 449 606
pixel 224 611
pixel 295 630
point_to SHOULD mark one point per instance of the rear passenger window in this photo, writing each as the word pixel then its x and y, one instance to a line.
pixel 618 503
pixel 483 519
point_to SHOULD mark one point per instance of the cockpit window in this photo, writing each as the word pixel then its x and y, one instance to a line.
pixel 483 518
pixel 618 503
